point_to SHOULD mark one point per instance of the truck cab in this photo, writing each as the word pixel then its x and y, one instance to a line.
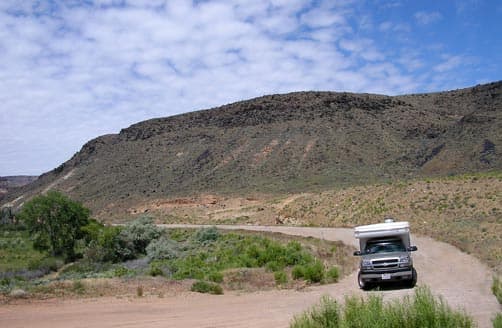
pixel 385 252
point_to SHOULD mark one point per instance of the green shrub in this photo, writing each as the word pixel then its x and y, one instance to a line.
pixel 201 286
pixel 324 315
pixel 274 266
pixel 47 264
pixel 314 272
pixel 420 310
pixel 139 233
pixel 156 269
pixel 207 235
pixel 280 277
pixel 298 272
pixel 162 249
pixel 497 288
pixel 91 230
pixel 78 287
pixel 497 321
pixel 54 222
pixel 85 269
pixel 122 271
pixel 109 247
pixel 333 274
pixel 215 277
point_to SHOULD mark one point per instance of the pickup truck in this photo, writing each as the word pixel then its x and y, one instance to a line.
pixel 385 252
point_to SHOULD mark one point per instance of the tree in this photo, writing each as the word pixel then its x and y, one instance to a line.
pixel 55 223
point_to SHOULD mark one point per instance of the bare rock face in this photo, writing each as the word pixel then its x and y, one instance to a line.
pixel 282 143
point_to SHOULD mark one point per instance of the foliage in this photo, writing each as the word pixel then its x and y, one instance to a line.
pixel 54 222
pixel 207 235
pixel 122 272
pixel 298 272
pixel 92 230
pixel 420 310
pixel 156 269
pixel 497 321
pixel 200 261
pixel 139 233
pixel 201 286
pixel 109 247
pixel 497 288
pixel 280 277
pixel 46 264
pixel 17 252
pixel 312 272
pixel 324 315
pixel 162 249
pixel 215 276
pixel 333 274
pixel 78 287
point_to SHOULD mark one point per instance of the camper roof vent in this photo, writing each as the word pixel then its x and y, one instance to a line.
pixel 388 220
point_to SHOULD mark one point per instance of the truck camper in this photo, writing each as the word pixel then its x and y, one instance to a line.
pixel 385 251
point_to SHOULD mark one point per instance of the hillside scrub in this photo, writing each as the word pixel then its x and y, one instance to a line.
pixel 140 249
pixel 203 258
pixel 464 210
pixel 420 310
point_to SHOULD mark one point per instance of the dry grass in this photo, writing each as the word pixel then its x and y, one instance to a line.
pixel 465 211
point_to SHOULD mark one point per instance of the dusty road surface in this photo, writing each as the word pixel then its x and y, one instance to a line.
pixel 460 279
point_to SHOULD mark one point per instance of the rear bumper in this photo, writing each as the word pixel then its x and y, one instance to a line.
pixel 383 276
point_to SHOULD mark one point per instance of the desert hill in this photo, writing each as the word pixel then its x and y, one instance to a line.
pixel 10 183
pixel 285 143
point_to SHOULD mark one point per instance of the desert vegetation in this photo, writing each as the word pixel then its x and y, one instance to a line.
pixel 206 259
pixel 422 309
pixel 462 210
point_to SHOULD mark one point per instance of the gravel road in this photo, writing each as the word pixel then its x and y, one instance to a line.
pixel 462 280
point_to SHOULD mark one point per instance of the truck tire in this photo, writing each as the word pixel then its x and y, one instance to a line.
pixel 362 284
pixel 413 281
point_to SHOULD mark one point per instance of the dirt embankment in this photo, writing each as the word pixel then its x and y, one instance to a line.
pixel 462 280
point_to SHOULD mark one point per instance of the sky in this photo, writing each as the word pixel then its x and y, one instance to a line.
pixel 73 70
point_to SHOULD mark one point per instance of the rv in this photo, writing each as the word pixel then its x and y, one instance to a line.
pixel 385 251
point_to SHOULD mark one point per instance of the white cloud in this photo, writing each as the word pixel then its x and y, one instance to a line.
pixel 449 63
pixel 426 18
pixel 70 71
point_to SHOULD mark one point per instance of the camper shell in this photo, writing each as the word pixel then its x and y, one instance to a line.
pixel 385 251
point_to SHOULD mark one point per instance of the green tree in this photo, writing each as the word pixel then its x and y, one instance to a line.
pixel 55 223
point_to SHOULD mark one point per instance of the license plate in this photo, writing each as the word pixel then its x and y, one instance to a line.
pixel 386 276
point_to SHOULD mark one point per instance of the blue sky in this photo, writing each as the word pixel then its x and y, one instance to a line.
pixel 73 70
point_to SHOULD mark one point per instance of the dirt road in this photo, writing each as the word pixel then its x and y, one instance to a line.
pixel 459 278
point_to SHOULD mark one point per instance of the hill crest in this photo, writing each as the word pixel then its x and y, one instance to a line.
pixel 283 143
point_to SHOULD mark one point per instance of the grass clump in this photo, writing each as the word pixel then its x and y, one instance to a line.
pixel 333 274
pixel 497 288
pixel 280 277
pixel 420 310
pixel 497 321
pixel 201 286
pixel 313 272
pixel 78 287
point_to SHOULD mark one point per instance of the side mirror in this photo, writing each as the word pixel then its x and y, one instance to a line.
pixel 357 253
pixel 412 248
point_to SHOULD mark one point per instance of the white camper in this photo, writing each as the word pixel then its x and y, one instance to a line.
pixel 385 253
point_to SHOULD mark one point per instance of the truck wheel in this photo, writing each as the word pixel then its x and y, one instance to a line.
pixel 362 284
pixel 413 281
